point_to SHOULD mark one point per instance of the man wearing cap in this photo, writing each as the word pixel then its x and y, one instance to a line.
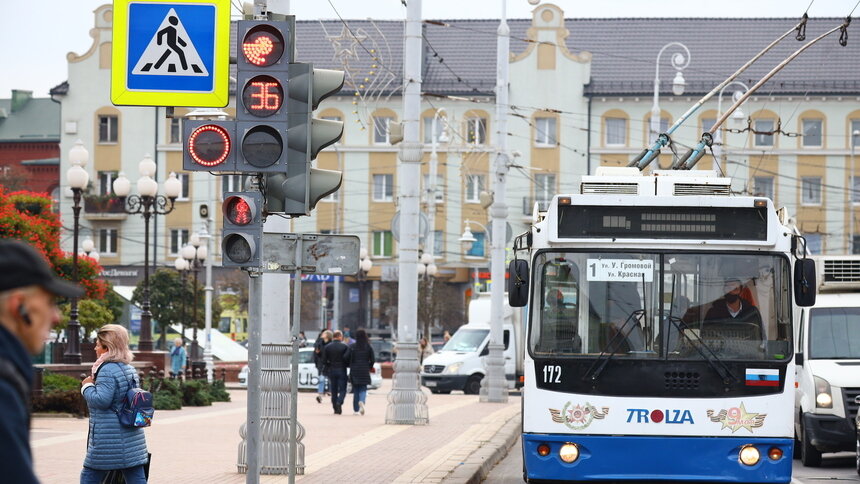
pixel 28 312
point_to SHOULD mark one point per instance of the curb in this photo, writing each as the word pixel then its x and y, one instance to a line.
pixel 478 465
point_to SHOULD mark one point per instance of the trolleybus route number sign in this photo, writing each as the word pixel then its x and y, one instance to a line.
pixel 630 270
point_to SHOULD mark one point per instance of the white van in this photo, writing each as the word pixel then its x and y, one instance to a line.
pixel 828 362
pixel 460 364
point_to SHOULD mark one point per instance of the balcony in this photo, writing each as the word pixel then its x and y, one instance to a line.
pixel 103 207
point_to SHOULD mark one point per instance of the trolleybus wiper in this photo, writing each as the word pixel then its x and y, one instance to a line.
pixel 603 358
pixel 713 360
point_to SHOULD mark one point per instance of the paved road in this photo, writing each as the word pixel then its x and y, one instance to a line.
pixel 836 468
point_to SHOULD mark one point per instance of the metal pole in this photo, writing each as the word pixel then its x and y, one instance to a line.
pixel 145 342
pixel 195 348
pixel 255 349
pixel 182 279
pixel 850 198
pixel 407 403
pixel 294 361
pixel 207 335
pixel 494 388
pixel 72 355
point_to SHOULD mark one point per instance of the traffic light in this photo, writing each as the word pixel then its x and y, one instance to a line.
pixel 264 52
pixel 208 146
pixel 242 240
pixel 302 186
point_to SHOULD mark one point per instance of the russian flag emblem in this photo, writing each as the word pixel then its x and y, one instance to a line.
pixel 760 377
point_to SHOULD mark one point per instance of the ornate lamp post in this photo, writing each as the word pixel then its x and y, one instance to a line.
pixel 181 266
pixel 679 62
pixel 195 254
pixel 364 268
pixel 78 178
pixel 147 202
pixel 89 249
pixel 468 240
pixel 737 116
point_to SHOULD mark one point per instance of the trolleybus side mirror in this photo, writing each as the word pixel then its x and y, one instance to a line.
pixel 804 282
pixel 518 283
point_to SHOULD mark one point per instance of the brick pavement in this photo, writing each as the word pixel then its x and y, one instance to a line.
pixel 200 444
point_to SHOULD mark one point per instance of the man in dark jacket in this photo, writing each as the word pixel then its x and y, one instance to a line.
pixel 334 360
pixel 28 312
pixel 323 339
pixel 732 308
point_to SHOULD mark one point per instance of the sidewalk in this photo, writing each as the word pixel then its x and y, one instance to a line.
pixel 200 444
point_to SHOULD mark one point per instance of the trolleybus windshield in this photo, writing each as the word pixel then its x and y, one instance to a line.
pixel 661 305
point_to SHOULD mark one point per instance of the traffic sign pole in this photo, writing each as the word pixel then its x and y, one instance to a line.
pixel 294 364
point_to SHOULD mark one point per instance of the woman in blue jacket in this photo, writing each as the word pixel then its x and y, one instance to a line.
pixel 110 445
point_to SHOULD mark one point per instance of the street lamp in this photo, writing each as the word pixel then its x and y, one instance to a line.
pixel 467 240
pixel 89 249
pixel 147 202
pixel 195 254
pixel 850 197
pixel 78 178
pixel 181 266
pixel 430 240
pixel 737 116
pixel 679 62
pixel 364 268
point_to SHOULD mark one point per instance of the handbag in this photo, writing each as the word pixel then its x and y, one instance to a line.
pixel 115 476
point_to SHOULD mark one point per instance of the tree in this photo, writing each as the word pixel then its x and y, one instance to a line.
pixel 439 304
pixel 166 296
pixel 92 315
pixel 236 282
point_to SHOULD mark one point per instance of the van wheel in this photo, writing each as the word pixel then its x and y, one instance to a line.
pixel 473 385
pixel 809 455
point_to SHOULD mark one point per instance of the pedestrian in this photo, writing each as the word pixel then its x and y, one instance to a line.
pixel 28 312
pixel 178 358
pixel 425 349
pixel 360 359
pixel 323 339
pixel 446 336
pixel 111 446
pixel 347 335
pixel 334 361
pixel 303 341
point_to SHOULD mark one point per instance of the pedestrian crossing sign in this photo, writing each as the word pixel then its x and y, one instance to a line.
pixel 171 53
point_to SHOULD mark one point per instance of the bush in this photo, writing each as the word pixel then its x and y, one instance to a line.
pixel 196 393
pixel 166 401
pixel 57 382
pixel 62 401
pixel 219 391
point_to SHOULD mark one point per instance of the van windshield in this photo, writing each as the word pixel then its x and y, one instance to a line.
pixel 834 333
pixel 467 340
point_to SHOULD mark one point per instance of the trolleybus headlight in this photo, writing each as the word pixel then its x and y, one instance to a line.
pixel 569 452
pixel 775 453
pixel 543 450
pixel 749 455
pixel 823 398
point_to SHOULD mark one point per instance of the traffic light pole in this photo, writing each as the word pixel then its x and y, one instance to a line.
pixel 255 349
pixel 294 363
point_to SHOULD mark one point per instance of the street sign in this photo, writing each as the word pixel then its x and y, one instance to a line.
pixel 171 53
pixel 321 253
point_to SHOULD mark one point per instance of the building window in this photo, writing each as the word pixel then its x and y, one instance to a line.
pixel 474 187
pixel 383 188
pixel 854 135
pixel 855 192
pixel 428 129
pixel 381 127
pixel 545 132
pixel 813 243
pixel 477 249
pixel 855 247
pixel 107 241
pixel 106 179
pixel 811 190
pixel 382 244
pixel 178 240
pixel 184 181
pixel 438 243
pixel 766 126
pixel 175 130
pixel 108 129
pixel 763 186
pixel 476 130
pixel 544 187
pixel 440 188
pixel 233 183
pixel 707 124
pixel 616 131
pixel 812 133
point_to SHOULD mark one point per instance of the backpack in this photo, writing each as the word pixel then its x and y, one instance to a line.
pixel 136 409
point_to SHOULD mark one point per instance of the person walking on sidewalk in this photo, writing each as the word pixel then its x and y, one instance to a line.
pixel 28 312
pixel 334 360
pixel 320 343
pixel 178 359
pixel 360 359
pixel 111 446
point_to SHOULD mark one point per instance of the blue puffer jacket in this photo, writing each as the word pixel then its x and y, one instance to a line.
pixel 109 444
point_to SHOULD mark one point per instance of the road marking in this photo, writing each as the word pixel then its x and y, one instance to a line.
pixel 323 458
pixel 475 437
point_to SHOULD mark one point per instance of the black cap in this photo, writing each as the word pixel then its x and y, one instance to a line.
pixel 22 266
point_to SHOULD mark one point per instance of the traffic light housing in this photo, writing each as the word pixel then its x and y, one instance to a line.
pixel 242 240
pixel 209 146
pixel 264 53
pixel 301 187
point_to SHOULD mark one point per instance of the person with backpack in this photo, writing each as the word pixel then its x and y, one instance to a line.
pixel 28 312
pixel 360 359
pixel 110 444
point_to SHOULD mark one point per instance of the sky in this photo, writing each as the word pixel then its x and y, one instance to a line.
pixel 36 42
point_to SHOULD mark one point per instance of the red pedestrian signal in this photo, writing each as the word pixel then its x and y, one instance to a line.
pixel 238 211
pixel 262 45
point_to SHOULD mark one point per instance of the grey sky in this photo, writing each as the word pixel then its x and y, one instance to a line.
pixel 36 42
